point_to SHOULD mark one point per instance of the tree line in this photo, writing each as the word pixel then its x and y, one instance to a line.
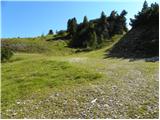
pixel 92 34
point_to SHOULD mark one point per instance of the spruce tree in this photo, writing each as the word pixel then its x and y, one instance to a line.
pixel 103 18
pixel 50 32
pixel 72 26
pixel 92 43
pixel 112 22
pixel 85 20
pixel 145 6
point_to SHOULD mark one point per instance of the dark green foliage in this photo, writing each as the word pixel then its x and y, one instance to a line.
pixel 112 22
pixel 143 39
pixel 85 21
pixel 50 32
pixel 117 23
pixel 6 53
pixel 145 6
pixel 61 32
pixel 92 34
pixel 102 26
pixel 72 26
pixel 148 15
pixel 93 40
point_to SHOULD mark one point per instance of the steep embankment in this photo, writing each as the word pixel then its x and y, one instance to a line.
pixel 140 42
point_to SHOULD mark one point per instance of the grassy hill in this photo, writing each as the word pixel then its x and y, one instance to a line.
pixel 38 45
pixel 46 79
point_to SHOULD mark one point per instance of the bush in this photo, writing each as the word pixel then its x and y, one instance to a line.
pixel 6 53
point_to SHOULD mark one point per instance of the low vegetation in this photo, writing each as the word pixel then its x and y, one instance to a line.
pixel 38 45
pixel 6 53
pixel 80 85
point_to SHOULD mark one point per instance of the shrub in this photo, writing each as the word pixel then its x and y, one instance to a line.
pixel 6 53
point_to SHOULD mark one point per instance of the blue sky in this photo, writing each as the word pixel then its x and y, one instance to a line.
pixel 33 18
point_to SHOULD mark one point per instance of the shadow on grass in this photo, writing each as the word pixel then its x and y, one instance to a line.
pixel 134 47
pixel 132 58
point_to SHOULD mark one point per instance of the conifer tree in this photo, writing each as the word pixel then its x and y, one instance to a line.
pixel 94 32
pixel 147 15
pixel 103 18
pixel 92 43
pixel 85 20
pixel 50 32
pixel 145 6
pixel 72 26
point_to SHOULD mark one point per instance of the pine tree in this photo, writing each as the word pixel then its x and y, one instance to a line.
pixel 113 15
pixel 68 25
pixel 112 22
pixel 92 43
pixel 123 13
pixel 145 6
pixel 94 32
pixel 72 26
pixel 85 20
pixel 120 24
pixel 100 40
pixel 103 18
pixel 50 32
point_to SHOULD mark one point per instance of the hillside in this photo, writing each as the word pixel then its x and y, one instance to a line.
pixel 143 39
pixel 95 69
pixel 42 44
pixel 77 85
pixel 139 42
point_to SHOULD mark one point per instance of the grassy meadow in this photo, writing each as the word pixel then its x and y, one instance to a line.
pixel 46 79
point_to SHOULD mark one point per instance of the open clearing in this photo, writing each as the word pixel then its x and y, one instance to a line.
pixel 81 85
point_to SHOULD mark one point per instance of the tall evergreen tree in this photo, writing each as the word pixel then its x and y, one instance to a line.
pixel 103 18
pixel 85 20
pixel 112 22
pixel 145 6
pixel 68 25
pixel 50 32
pixel 104 25
pixel 113 15
pixel 92 43
pixel 121 23
pixel 72 26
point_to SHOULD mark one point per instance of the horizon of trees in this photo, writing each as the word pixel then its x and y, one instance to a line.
pixel 92 34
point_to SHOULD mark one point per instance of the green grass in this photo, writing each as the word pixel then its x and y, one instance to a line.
pixel 25 77
pixel 63 84
pixel 39 45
